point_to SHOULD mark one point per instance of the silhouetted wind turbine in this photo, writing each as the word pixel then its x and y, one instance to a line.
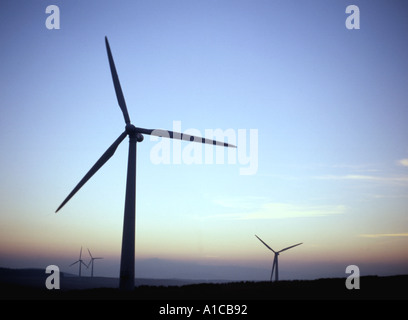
pixel 92 261
pixel 127 264
pixel 80 261
pixel 275 259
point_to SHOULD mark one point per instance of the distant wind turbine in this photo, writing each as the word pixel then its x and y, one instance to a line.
pixel 92 262
pixel 275 259
pixel 127 264
pixel 80 261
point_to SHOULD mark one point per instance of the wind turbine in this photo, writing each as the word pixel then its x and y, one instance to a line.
pixel 80 261
pixel 275 259
pixel 127 264
pixel 92 261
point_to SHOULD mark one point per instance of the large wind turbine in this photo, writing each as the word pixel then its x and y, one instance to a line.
pixel 80 261
pixel 127 264
pixel 92 261
pixel 275 259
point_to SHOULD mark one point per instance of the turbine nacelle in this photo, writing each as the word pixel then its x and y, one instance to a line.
pixel 133 132
pixel 139 137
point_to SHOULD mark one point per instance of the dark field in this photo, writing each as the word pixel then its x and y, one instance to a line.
pixel 29 284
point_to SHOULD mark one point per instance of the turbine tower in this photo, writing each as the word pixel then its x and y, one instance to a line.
pixel 92 262
pixel 80 261
pixel 275 259
pixel 127 264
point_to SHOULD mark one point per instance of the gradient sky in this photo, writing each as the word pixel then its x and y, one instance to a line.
pixel 328 105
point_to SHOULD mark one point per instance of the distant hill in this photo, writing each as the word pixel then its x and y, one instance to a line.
pixel 30 277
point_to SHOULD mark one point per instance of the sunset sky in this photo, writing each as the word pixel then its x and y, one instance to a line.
pixel 319 114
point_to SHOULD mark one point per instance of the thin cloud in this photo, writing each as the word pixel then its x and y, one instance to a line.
pixel 247 203
pixel 285 210
pixel 396 179
pixel 403 162
pixel 386 179
pixel 383 235
pixel 274 210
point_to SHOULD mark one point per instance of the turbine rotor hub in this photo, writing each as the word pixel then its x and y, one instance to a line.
pixel 133 133
pixel 130 129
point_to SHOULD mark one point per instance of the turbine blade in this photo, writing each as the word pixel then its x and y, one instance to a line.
pixel 290 247
pixel 80 254
pixel 265 244
pixel 73 263
pixel 116 83
pixel 102 160
pixel 90 253
pixel 182 136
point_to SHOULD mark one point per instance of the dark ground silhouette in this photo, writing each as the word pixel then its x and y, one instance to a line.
pixel 29 284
